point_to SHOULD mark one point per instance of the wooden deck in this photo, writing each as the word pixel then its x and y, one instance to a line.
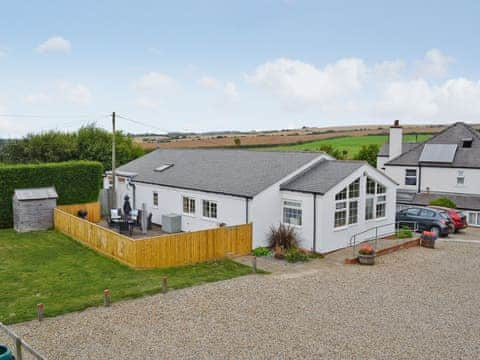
pixel 137 233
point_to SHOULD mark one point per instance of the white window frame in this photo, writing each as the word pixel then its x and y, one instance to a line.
pixel 461 177
pixel 378 197
pixel 208 214
pixel 475 214
pixel 411 177
pixel 296 207
pixel 343 204
pixel 155 206
pixel 190 201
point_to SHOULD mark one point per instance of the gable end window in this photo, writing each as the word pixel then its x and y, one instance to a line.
pixel 292 212
pixel 411 177
pixel 209 209
pixel 460 177
pixel 376 200
pixel 188 205
pixel 346 205
pixel 155 199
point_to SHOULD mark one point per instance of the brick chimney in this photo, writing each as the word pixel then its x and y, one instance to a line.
pixel 395 140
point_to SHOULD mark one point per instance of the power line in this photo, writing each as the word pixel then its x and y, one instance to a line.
pixel 49 116
pixel 141 123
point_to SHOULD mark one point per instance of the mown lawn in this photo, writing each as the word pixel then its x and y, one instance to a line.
pixel 50 268
pixel 350 143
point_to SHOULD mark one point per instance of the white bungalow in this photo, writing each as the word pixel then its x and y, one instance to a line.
pixel 326 200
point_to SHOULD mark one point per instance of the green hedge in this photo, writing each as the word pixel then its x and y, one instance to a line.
pixel 75 182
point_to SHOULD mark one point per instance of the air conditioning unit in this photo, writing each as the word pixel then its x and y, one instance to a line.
pixel 172 223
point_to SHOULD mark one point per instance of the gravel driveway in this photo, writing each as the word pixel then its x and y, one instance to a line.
pixel 415 303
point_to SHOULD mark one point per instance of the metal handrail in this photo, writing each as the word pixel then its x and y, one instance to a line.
pixel 353 238
pixel 21 344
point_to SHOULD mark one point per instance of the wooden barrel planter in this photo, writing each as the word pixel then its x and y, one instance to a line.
pixel 428 239
pixel 366 255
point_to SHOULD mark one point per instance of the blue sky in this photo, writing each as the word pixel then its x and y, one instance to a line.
pixel 213 65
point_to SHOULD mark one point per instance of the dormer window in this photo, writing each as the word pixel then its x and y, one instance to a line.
pixel 467 142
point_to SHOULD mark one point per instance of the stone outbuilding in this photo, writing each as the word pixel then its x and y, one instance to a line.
pixel 33 209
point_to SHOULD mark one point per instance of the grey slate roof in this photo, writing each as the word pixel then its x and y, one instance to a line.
pixel 463 201
pixel 234 172
pixel 322 176
pixel 35 194
pixel 464 157
pixel 406 146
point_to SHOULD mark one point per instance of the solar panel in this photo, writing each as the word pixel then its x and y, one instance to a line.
pixel 439 153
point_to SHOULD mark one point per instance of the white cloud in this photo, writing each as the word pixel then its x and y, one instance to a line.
pixel 230 90
pixel 414 98
pixel 349 90
pixel 434 64
pixel 75 93
pixel 37 98
pixel 153 88
pixel 389 69
pixel 3 51
pixel 209 82
pixel 417 100
pixel 154 81
pixel 297 81
pixel 61 92
pixel 55 44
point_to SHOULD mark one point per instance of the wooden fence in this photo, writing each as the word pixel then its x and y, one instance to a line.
pixel 93 210
pixel 159 251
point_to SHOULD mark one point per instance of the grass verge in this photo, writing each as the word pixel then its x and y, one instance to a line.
pixel 50 268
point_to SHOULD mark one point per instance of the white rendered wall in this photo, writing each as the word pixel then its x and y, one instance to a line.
pixel 381 160
pixel 331 238
pixel 397 173
pixel 445 180
pixel 305 231
pixel 266 207
pixel 230 210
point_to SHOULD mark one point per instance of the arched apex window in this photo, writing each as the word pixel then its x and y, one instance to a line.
pixel 376 201
pixel 346 205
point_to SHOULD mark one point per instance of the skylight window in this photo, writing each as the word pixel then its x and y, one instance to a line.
pixel 163 167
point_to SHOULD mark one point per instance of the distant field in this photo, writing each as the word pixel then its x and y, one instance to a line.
pixel 350 143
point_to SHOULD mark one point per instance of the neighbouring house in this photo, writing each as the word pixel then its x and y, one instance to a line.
pixel 446 165
pixel 326 200
pixel 33 209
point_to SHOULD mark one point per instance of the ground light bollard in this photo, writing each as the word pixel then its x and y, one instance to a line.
pixel 164 284
pixel 254 264
pixel 106 297
pixel 40 309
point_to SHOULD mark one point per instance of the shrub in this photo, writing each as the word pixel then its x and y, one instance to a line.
pixel 444 202
pixel 261 251
pixel 283 237
pixel 294 255
pixel 404 232
pixel 366 249
pixel 75 182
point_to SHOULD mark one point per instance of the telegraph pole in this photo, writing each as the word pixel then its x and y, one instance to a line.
pixel 114 195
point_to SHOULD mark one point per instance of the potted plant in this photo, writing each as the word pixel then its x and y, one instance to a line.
pixel 366 254
pixel 428 239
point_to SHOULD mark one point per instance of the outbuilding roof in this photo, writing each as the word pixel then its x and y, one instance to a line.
pixel 466 157
pixel 463 201
pixel 242 173
pixel 36 194
pixel 323 176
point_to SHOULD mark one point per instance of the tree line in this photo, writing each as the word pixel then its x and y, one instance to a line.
pixel 87 143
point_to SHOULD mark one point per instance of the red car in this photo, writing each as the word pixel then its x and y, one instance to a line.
pixel 459 219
